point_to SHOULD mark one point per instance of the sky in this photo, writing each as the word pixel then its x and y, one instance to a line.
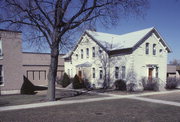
pixel 164 15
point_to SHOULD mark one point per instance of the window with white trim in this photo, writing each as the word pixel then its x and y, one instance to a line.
pixel 100 74
pixel 81 53
pixel 116 72
pixel 87 52
pixel 93 51
pixel 147 48
pixel 123 72
pixel 154 49
pixel 94 75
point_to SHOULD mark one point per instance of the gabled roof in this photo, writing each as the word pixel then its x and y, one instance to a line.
pixel 112 42
pixel 117 42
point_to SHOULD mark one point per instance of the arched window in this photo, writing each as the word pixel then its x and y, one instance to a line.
pixel 147 48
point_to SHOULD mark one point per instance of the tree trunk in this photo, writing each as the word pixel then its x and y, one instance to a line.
pixel 53 71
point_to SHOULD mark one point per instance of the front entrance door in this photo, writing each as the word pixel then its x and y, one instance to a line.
pixel 150 73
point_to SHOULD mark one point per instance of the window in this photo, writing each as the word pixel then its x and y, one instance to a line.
pixel 93 51
pixel 100 50
pixel 87 52
pixel 157 72
pixel 147 48
pixel 93 72
pixel 81 53
pixel 1 75
pixel 68 72
pixel 116 72
pixel 1 47
pixel 77 56
pixel 100 74
pixel 123 72
pixel 154 49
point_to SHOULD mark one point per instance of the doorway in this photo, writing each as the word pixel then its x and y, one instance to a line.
pixel 150 74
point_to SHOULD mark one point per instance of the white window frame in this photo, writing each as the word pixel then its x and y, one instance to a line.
pixel 93 73
pixel 123 75
pixel 147 48
pixel 116 73
pixel 154 49
pixel 87 52
pixel 93 52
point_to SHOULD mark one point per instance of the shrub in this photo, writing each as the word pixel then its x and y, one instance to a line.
pixel 131 84
pixel 150 84
pixel 120 84
pixel 65 81
pixel 87 84
pixel 77 83
pixel 171 83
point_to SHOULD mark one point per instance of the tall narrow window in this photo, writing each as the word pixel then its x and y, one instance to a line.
pixel 77 56
pixel 0 47
pixel 87 52
pixel 93 51
pixel 94 75
pixel 147 48
pixel 116 72
pixel 157 73
pixel 123 72
pixel 154 49
pixel 81 53
pixel 100 74
pixel 68 72
pixel 1 74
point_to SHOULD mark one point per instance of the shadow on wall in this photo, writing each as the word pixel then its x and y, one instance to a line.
pixel 30 88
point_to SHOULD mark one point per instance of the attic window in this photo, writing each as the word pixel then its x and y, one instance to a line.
pixel 93 51
pixel 76 56
pixel 81 53
pixel 154 49
pixel 147 48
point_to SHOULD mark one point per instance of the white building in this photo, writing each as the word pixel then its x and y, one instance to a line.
pixel 99 56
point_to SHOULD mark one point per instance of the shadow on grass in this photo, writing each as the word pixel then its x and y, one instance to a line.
pixel 30 88
pixel 71 94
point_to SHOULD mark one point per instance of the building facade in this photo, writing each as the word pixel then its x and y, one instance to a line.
pixel 15 64
pixel 101 57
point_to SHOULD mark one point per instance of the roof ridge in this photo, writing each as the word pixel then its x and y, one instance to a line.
pixel 150 28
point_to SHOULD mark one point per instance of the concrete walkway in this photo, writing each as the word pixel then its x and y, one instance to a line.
pixel 111 97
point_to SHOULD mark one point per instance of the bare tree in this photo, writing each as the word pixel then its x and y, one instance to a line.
pixel 175 62
pixel 52 20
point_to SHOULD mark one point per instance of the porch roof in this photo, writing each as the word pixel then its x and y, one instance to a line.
pixel 86 64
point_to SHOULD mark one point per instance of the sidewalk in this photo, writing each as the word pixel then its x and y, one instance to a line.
pixel 87 99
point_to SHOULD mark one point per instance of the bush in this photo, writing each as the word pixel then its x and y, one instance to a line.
pixel 171 83
pixel 65 81
pixel 87 84
pixel 77 83
pixel 152 84
pixel 120 84
pixel 131 86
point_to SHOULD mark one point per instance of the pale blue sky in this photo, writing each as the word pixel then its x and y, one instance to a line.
pixel 164 15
